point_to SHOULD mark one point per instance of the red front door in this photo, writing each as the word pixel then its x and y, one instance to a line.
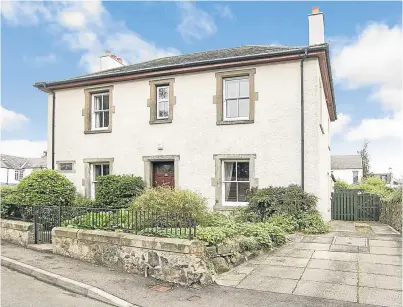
pixel 163 174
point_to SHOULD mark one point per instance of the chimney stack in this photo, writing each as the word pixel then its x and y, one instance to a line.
pixel 119 60
pixel 316 27
pixel 109 60
pixel 107 53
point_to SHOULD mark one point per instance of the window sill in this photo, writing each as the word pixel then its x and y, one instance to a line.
pixel 226 208
pixel 98 131
pixel 160 121
pixel 235 122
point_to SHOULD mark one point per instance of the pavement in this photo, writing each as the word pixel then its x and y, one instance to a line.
pixel 355 262
pixel 21 290
pixel 148 292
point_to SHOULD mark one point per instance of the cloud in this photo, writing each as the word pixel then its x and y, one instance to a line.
pixel 377 128
pixel 88 28
pixel 41 59
pixel 23 148
pixel 224 11
pixel 11 120
pixel 373 60
pixel 195 23
pixel 340 125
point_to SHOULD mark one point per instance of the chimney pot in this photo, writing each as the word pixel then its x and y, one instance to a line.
pixel 119 60
pixel 315 10
pixel 107 52
pixel 113 56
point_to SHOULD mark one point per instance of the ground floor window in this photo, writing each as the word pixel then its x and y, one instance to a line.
pixel 235 182
pixel 19 174
pixel 97 170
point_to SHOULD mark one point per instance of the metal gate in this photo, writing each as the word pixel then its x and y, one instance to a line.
pixel 45 218
pixel 355 205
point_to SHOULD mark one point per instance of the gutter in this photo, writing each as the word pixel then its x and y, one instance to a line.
pixel 303 122
pixel 53 122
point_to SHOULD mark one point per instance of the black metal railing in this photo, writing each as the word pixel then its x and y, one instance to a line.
pixel 150 223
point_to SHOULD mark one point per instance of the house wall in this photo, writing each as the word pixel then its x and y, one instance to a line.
pixel 10 173
pixel 347 174
pixel 274 137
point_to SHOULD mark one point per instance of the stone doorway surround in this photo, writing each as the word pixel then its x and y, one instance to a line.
pixel 148 167
pixel 344 264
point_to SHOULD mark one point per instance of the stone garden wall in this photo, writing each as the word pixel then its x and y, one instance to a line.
pixel 174 260
pixel 17 232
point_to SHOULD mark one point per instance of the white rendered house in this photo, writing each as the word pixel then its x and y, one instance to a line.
pixel 216 122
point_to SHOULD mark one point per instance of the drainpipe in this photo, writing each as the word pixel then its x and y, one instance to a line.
pixel 303 122
pixel 53 123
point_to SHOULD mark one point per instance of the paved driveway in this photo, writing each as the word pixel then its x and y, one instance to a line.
pixel 355 262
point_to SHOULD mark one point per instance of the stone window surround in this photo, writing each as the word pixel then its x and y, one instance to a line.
pixel 152 101
pixel 148 167
pixel 217 180
pixel 86 112
pixel 86 182
pixel 218 98
pixel 66 161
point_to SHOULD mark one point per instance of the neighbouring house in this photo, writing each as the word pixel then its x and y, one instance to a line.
pixel 389 178
pixel 347 168
pixel 13 168
pixel 217 122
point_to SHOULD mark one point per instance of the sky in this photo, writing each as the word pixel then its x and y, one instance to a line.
pixel 44 41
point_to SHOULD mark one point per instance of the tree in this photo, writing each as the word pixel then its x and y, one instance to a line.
pixel 365 160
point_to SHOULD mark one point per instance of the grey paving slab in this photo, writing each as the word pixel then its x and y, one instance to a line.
pixel 383 259
pixel 380 297
pixel 383 230
pixel 395 238
pixel 380 281
pixel 279 271
pixel 344 266
pixel 286 261
pixel 227 282
pixel 244 269
pixel 344 248
pixel 334 277
pixel 383 269
pixel 271 284
pixel 384 243
pixel 327 290
pixel 342 256
pixel 294 253
pixel 317 239
pixel 380 250
pixel 354 241
pixel 315 246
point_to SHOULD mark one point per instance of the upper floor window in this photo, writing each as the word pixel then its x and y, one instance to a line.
pixel 18 174
pixel 100 111
pixel 162 102
pixel 236 98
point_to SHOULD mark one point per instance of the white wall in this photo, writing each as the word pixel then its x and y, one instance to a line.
pixel 274 137
pixel 347 174
pixel 11 175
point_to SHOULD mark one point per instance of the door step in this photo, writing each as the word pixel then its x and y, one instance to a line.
pixel 44 248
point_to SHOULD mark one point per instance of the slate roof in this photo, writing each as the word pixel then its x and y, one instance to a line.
pixel 346 162
pixel 194 59
pixel 14 162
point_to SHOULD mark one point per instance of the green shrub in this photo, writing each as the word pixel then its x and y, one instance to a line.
pixel 312 223
pixel 172 200
pixel 248 243
pixel 391 209
pixel 118 191
pixel 46 188
pixel 286 222
pixel 292 200
pixel 341 185
pixel 83 201
pixel 9 199
pixel 214 219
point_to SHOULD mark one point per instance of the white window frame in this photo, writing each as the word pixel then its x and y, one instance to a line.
pixel 358 176
pixel 18 174
pixel 225 80
pixel 223 182
pixel 166 101
pixel 92 175
pixel 93 111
